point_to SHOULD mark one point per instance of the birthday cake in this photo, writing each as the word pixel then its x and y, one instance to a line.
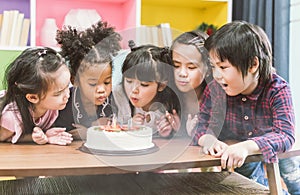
pixel 118 138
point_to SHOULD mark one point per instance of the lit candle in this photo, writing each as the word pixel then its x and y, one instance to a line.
pixel 114 122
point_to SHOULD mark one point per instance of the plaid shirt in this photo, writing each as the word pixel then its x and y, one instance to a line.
pixel 266 116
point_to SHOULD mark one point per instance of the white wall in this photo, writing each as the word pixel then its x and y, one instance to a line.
pixel 294 70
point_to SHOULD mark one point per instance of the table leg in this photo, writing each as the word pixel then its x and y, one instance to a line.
pixel 274 178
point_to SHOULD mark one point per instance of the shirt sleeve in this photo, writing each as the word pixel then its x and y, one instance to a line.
pixel 10 120
pixel 212 112
pixel 281 137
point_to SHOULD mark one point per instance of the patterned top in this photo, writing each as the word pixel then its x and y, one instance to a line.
pixel 74 113
pixel 266 116
pixel 12 121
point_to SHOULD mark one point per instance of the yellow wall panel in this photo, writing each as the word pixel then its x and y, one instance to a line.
pixel 184 18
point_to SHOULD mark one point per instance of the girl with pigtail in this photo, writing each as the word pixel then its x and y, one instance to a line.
pixel 36 87
pixel 146 86
pixel 89 55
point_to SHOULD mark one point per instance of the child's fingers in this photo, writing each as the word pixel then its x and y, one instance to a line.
pixel 66 134
pixel 174 112
pixel 37 130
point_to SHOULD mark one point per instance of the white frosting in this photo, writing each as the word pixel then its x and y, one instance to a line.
pixel 119 140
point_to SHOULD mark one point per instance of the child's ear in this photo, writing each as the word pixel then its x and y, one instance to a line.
pixel 255 65
pixel 33 98
pixel 162 86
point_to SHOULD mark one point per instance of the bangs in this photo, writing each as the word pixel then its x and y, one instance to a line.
pixel 143 71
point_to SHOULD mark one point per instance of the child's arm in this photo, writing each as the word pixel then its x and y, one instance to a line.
pixel 5 134
pixel 280 136
pixel 234 155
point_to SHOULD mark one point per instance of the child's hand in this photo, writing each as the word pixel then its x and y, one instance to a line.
pixel 58 136
pixel 191 123
pixel 38 136
pixel 234 156
pixel 173 119
pixel 164 127
pixel 211 145
pixel 138 119
pixel 167 123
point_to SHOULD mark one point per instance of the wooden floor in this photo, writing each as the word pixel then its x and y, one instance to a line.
pixel 142 183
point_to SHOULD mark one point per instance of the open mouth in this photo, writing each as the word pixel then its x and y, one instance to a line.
pixel 134 100
pixel 101 98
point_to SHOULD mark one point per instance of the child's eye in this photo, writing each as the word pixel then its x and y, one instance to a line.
pixel 176 64
pixel 92 84
pixel 144 84
pixel 192 67
pixel 107 82
pixel 128 80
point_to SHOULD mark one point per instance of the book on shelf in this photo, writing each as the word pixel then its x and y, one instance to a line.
pixel 160 35
pixel 25 32
pixel 13 23
pixel 166 34
pixel 4 35
pixel 16 30
pixel 1 19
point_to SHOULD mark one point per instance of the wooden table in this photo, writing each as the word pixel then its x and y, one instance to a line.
pixel 23 160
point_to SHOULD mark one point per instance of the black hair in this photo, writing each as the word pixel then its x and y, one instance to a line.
pixel 30 73
pixel 196 38
pixel 240 42
pixel 152 63
pixel 95 45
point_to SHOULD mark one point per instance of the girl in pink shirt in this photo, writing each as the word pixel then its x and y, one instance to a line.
pixel 37 87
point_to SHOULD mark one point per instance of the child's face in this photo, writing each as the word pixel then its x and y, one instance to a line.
pixel 140 94
pixel 230 78
pixel 95 84
pixel 58 93
pixel 189 70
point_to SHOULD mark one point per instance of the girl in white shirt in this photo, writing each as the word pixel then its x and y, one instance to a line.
pixel 146 73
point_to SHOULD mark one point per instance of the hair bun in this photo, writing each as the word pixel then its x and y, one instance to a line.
pixel 131 44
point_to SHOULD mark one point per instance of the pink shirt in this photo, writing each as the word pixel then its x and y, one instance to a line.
pixel 12 121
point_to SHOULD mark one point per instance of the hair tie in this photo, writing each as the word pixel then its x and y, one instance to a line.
pixel 197 41
pixel 42 53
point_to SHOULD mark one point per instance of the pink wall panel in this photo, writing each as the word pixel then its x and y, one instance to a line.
pixel 118 13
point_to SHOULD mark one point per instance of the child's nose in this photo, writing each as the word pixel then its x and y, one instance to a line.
pixel 183 72
pixel 100 89
pixel 135 89
pixel 67 94
pixel 216 74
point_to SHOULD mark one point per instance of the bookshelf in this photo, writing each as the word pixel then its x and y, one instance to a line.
pixel 182 15
pixel 185 15
pixel 124 15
